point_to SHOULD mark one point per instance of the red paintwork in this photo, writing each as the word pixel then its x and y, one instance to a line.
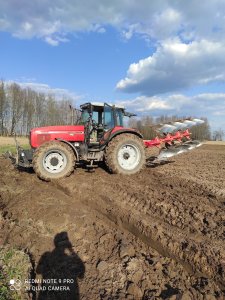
pixel 71 133
pixel 119 128
pixel 115 129
pixel 75 133
pixel 168 138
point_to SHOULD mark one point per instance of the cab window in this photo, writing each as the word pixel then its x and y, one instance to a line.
pixel 95 116
pixel 119 117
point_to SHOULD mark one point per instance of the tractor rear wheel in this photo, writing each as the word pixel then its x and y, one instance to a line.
pixel 53 160
pixel 125 154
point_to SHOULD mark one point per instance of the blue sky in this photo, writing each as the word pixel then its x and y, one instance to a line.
pixel 156 57
pixel 90 64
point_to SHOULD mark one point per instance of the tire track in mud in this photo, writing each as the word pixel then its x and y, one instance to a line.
pixel 174 201
pixel 161 218
pixel 138 271
pixel 170 241
pixel 205 166
pixel 177 216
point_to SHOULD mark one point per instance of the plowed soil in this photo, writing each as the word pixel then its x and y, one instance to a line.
pixel 155 235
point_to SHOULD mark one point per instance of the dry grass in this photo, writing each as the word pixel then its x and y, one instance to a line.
pixel 8 144
pixel 9 141
pixel 218 143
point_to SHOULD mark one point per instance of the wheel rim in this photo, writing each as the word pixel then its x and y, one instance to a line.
pixel 54 161
pixel 129 157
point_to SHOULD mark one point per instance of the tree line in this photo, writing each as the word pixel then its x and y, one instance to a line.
pixel 23 108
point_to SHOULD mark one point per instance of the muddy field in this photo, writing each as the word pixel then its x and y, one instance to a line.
pixel 155 235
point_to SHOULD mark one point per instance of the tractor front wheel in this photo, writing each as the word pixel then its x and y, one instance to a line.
pixel 125 154
pixel 53 160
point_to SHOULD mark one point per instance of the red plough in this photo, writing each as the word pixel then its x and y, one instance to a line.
pixel 175 139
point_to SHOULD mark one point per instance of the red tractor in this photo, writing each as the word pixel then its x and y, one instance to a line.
pixel 101 137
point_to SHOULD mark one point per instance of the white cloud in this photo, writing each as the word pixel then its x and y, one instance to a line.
pixel 51 41
pixel 176 65
pixel 27 26
pixel 46 89
pixel 54 40
pixel 147 104
pixel 157 19
pixel 210 105
pixel 166 23
pixel 189 38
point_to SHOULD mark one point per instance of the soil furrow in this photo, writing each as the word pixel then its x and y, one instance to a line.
pixel 155 235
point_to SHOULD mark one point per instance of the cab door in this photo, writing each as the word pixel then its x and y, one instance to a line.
pixel 108 122
pixel 109 119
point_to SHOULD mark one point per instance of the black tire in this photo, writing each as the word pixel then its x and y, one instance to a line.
pixel 117 146
pixel 45 166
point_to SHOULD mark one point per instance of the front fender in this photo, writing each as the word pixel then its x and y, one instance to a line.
pixel 71 145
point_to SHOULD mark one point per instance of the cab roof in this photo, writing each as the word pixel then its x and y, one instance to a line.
pixel 101 104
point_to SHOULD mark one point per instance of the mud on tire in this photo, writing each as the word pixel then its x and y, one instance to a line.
pixel 53 160
pixel 125 154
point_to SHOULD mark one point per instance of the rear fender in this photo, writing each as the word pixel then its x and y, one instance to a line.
pixel 71 145
pixel 118 132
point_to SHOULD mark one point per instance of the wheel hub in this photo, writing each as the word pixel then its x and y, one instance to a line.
pixel 126 155
pixel 129 157
pixel 54 161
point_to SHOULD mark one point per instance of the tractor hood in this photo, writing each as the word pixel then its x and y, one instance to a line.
pixel 70 133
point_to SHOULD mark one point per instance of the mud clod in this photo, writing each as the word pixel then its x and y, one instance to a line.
pixel 155 235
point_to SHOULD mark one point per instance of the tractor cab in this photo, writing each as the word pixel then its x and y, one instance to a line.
pixel 99 118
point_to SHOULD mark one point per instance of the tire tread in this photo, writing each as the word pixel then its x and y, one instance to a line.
pixel 45 147
pixel 110 161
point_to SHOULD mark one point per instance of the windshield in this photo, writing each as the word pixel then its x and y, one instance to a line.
pixel 108 116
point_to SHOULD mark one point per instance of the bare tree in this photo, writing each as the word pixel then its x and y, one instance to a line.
pixel 3 108
pixel 16 97
pixel 40 110
pixel 22 109
pixel 201 132
pixel 218 135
